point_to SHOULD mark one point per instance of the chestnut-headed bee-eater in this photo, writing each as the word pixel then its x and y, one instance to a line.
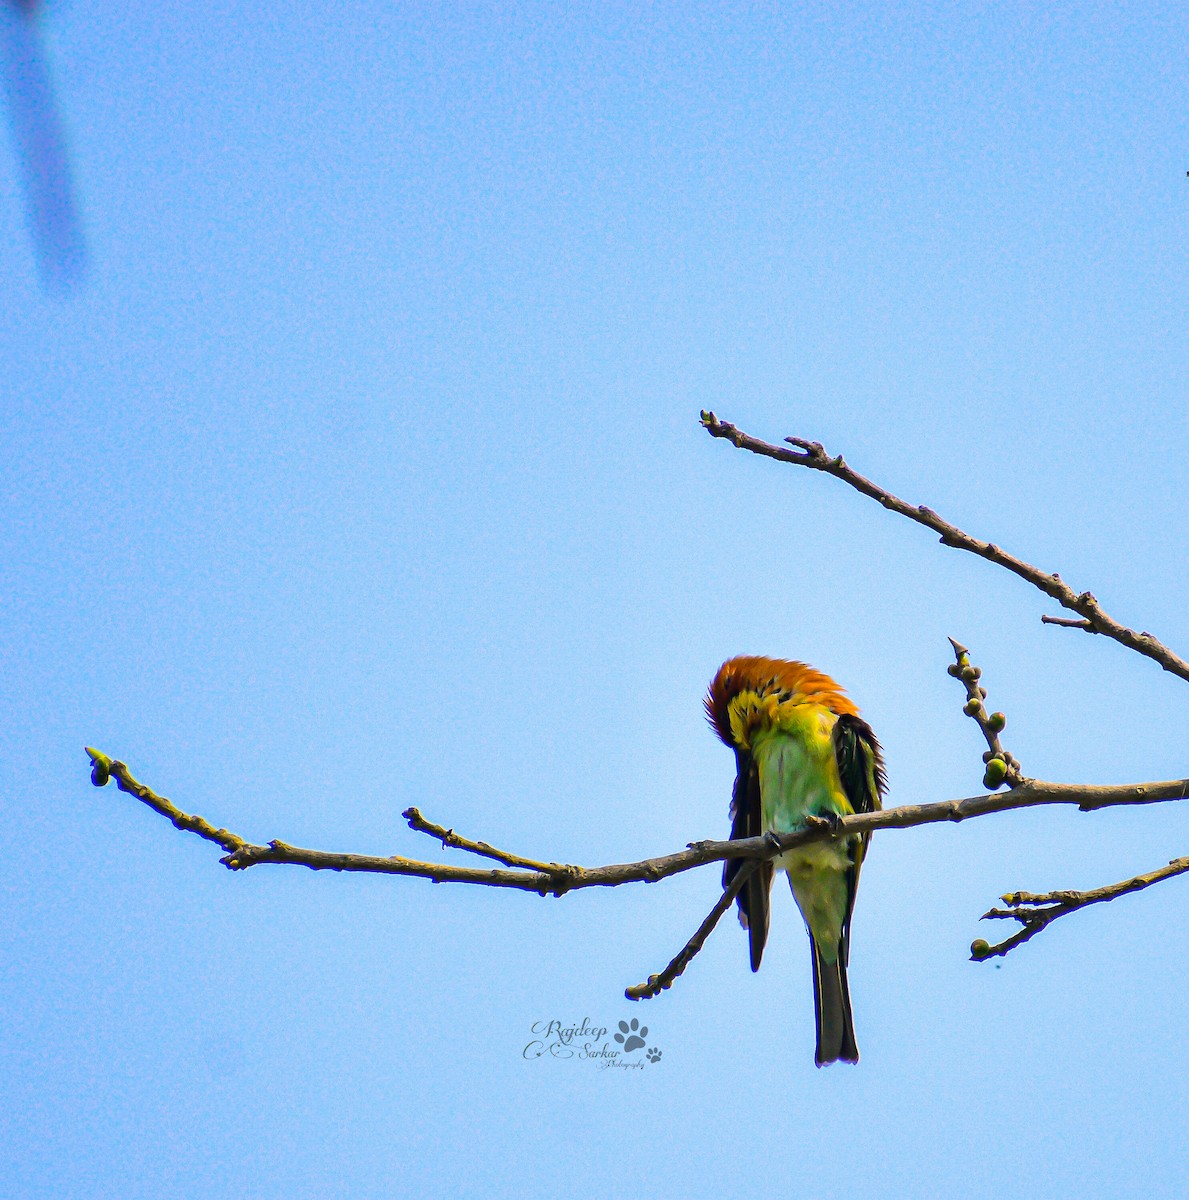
pixel 801 750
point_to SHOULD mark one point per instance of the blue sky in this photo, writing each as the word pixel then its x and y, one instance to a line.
pixel 362 469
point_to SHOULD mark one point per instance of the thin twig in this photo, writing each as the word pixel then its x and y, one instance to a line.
pixel 1068 623
pixel 1037 911
pixel 1083 603
pixel 658 983
pixel 103 767
pixel 1002 767
pixel 449 838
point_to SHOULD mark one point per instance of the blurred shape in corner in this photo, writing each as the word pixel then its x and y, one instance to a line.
pixel 40 146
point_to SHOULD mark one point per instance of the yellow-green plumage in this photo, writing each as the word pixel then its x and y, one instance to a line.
pixel 801 750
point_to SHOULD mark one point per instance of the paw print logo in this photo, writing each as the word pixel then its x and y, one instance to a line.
pixel 631 1037
pixel 653 1054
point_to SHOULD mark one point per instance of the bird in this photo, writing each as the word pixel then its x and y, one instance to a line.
pixel 801 752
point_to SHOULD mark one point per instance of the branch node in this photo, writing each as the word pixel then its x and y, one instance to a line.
pixel 813 450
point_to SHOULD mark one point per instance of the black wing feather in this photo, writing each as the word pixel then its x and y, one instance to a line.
pixel 861 769
pixel 860 763
pixel 746 814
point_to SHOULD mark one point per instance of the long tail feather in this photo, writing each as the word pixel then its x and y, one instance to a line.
pixel 831 1002
pixel 758 890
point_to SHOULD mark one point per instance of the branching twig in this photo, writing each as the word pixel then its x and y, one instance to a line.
pixel 1035 912
pixel 1083 603
pixel 1002 767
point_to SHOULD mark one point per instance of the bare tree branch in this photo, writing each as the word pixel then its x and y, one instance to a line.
pixel 533 875
pixel 1037 912
pixel 1083 603
pixel 559 878
pixel 1033 912
pixel 551 878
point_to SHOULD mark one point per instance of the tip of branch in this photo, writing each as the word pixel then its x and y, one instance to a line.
pixel 100 766
pixel 646 991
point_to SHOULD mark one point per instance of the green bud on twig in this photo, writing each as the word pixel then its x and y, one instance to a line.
pixel 980 948
pixel 996 721
pixel 100 766
pixel 972 707
pixel 996 774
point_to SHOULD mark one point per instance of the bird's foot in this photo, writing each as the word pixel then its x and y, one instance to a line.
pixel 822 821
